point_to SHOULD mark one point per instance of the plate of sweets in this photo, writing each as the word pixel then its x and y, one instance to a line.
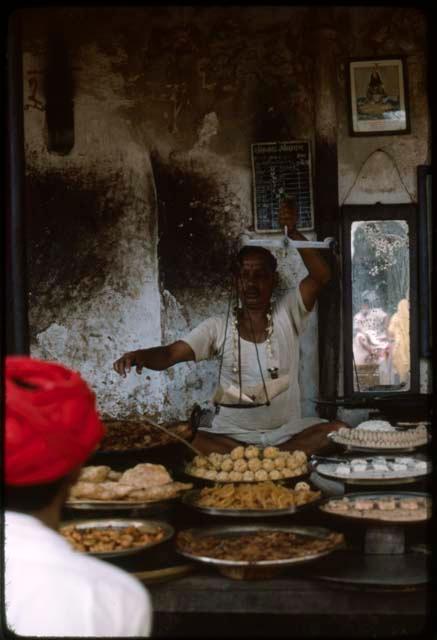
pixel 376 469
pixel 258 499
pixel 100 487
pixel 401 507
pixel 249 552
pixel 115 537
pixel 380 435
pixel 248 464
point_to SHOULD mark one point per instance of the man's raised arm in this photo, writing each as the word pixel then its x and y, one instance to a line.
pixel 156 358
pixel 319 271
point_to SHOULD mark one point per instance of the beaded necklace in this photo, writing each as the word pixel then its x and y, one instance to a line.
pixel 272 365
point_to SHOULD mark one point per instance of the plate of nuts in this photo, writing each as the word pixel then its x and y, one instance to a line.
pixel 115 537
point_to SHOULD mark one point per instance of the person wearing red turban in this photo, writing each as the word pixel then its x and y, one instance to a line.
pixel 51 428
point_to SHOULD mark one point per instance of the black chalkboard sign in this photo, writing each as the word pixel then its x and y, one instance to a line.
pixel 281 169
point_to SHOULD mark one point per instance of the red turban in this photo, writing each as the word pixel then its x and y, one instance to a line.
pixel 52 424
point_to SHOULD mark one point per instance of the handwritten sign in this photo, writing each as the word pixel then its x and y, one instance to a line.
pixel 281 169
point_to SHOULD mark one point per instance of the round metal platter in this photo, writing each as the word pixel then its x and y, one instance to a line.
pixel 206 481
pixel 152 525
pixel 352 447
pixel 376 496
pixel 328 469
pixel 190 499
pixel 225 531
pixel 117 505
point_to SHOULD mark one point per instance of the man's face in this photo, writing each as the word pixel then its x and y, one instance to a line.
pixel 255 283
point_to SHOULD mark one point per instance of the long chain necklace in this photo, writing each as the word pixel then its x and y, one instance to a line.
pixel 271 364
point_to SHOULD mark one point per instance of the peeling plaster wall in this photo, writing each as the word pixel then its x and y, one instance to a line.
pixel 132 232
pixel 92 247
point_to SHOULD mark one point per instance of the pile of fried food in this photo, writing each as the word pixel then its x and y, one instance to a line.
pixel 122 435
pixel 256 546
pixel 249 464
pixel 107 539
pixel 143 483
pixel 393 508
pixel 263 495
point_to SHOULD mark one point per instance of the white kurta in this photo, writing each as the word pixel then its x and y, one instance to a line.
pixel 52 590
pixel 265 425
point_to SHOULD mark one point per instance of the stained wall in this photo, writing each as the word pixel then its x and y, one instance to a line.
pixel 132 230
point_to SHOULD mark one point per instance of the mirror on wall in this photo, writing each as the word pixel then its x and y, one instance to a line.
pixel 380 308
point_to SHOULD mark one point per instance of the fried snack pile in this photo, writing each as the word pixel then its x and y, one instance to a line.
pixel 123 435
pixel 263 495
pixel 392 508
pixel 106 539
pixel 143 483
pixel 249 464
pixel 256 547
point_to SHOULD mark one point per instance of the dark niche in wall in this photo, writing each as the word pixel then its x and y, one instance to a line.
pixel 69 234
pixel 59 96
pixel 194 249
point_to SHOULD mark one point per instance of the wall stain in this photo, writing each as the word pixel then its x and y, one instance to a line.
pixel 193 248
pixel 68 239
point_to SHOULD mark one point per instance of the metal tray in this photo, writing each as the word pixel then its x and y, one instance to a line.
pixel 373 477
pixel 352 447
pixel 190 498
pixel 119 522
pixel 117 505
pixel 182 473
pixel 376 496
pixel 236 530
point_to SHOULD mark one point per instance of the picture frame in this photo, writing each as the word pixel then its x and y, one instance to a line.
pixel 378 96
pixel 424 195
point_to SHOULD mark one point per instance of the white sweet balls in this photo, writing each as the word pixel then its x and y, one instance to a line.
pixel 249 464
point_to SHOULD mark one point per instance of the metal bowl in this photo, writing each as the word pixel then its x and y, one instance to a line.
pixel 376 496
pixel 328 469
pixel 262 569
pixel 182 473
pixel 152 525
pixel 119 505
pixel 190 499
pixel 333 436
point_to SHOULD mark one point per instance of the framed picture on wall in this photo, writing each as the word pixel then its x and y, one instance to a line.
pixel 378 100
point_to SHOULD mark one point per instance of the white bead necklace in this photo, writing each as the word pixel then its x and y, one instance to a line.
pixel 272 367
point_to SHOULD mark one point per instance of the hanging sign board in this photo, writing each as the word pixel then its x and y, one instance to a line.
pixel 281 169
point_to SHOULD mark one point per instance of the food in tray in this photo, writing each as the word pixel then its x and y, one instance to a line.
pixel 109 539
pixel 376 467
pixel 264 495
pixel 383 439
pixel 249 464
pixel 256 546
pixel 375 425
pixel 122 435
pixel 384 507
pixel 143 483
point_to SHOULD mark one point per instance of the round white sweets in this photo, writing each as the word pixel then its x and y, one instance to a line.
pixel 343 469
pixel 376 425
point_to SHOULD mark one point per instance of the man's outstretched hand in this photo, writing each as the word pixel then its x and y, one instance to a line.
pixel 127 361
